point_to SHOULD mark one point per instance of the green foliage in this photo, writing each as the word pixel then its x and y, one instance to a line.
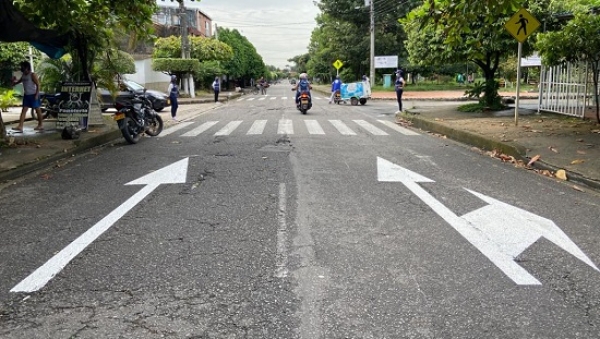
pixel 201 48
pixel 476 91
pixel 52 72
pixel 246 62
pixel 173 66
pixel 343 33
pixel 444 32
pixel 577 41
pixel 7 99
pixel 95 20
pixel 470 108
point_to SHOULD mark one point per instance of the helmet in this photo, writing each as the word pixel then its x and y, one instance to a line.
pixel 303 76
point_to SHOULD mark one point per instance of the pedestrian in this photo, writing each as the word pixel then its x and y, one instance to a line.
pixel 335 87
pixel 399 86
pixel 263 86
pixel 216 85
pixel 31 97
pixel 173 91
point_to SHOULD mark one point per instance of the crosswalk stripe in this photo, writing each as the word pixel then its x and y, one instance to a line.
pixel 273 98
pixel 262 98
pixel 370 128
pixel 257 127
pixel 283 98
pixel 316 98
pixel 398 128
pixel 196 131
pixel 313 127
pixel 285 127
pixel 341 127
pixel 230 127
pixel 250 99
pixel 175 128
pixel 240 99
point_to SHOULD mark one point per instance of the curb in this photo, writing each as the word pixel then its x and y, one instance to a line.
pixel 80 147
pixel 517 151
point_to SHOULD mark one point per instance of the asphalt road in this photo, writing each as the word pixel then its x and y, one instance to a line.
pixel 265 223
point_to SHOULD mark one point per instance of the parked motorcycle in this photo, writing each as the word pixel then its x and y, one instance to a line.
pixel 137 117
pixel 50 104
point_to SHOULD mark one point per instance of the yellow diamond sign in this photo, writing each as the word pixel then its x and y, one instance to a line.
pixel 338 64
pixel 521 25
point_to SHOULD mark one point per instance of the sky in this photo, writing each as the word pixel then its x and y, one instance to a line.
pixel 278 29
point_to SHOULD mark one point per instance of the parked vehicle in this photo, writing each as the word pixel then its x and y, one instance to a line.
pixel 136 116
pixel 127 89
pixel 50 104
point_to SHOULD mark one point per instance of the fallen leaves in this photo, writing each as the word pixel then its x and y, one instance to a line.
pixel 553 149
pixel 577 161
pixel 581 152
pixel 533 160
pixel 561 174
pixel 577 188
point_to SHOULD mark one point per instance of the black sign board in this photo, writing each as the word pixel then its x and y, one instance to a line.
pixel 74 107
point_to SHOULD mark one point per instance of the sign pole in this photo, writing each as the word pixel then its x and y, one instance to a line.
pixel 519 52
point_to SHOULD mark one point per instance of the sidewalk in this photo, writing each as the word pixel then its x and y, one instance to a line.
pixel 31 151
pixel 561 142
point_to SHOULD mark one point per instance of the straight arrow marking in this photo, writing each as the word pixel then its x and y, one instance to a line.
pixel 174 173
pixel 499 231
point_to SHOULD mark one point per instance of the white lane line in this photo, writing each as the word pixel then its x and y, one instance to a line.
pixel 313 127
pixel 398 128
pixel 285 127
pixel 40 277
pixel 250 99
pixel 257 127
pixel 230 127
pixel 200 129
pixel 341 127
pixel 370 128
pixel 281 261
pixel 175 128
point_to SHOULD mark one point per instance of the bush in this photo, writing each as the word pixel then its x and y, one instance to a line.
pixel 170 65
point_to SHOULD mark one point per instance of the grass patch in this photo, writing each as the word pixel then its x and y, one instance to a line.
pixel 479 108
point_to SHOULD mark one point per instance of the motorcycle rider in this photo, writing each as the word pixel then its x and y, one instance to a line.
pixel 335 86
pixel 303 86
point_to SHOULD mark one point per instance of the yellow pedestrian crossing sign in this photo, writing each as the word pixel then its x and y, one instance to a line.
pixel 521 25
pixel 338 64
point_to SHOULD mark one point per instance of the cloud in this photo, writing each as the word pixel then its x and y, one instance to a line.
pixel 278 29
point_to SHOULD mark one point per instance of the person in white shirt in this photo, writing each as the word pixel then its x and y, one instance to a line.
pixel 173 91
pixel 216 86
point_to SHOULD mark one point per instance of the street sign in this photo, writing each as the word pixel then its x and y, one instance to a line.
pixel 338 64
pixel 500 231
pixel 386 61
pixel 521 25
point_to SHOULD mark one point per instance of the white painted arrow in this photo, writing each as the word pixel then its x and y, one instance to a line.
pixel 175 173
pixel 500 231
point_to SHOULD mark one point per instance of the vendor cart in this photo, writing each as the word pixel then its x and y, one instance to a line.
pixel 356 92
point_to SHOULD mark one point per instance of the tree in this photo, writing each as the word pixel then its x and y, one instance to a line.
pixel 246 62
pixel 91 23
pixel 476 35
pixel 206 55
pixel 577 41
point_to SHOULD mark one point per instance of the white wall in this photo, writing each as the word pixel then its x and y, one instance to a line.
pixel 147 77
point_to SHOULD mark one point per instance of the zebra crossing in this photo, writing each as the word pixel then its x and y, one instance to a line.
pixel 271 98
pixel 286 126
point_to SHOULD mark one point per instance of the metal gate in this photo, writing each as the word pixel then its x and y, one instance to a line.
pixel 564 89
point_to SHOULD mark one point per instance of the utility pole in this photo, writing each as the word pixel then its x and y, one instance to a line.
pixel 188 79
pixel 372 54
pixel 216 32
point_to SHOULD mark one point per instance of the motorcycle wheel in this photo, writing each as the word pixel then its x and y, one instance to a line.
pixel 155 126
pixel 129 130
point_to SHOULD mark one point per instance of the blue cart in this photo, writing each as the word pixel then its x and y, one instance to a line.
pixel 356 92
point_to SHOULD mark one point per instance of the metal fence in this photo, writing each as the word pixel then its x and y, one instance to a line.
pixel 564 89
